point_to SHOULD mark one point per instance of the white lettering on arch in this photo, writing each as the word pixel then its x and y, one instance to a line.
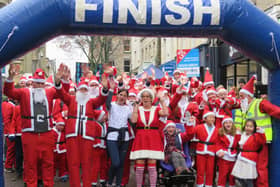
pixel 139 15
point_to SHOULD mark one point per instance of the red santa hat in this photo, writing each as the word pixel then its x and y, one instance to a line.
pixel 39 76
pixel 151 92
pixel 232 93
pixel 83 84
pixel 221 89
pixel 183 75
pixel 93 80
pixel 49 81
pixel 194 82
pixel 211 90
pixel 59 121
pixel 208 79
pixel 176 71
pixel 132 92
pixel 227 118
pixel 169 123
pixel 249 87
pixel 30 78
pixel 207 112
pixel 22 79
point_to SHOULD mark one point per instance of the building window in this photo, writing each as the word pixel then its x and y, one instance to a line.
pixel 126 66
pixel 126 45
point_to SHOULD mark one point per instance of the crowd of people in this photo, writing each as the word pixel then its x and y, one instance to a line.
pixel 92 131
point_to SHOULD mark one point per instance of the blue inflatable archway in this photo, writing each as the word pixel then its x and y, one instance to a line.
pixel 25 24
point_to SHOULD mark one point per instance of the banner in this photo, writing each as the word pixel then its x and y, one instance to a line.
pixel 188 61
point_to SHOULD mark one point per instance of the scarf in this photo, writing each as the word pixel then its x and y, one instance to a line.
pixel 170 146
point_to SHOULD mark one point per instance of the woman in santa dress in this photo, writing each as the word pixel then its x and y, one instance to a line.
pixel 147 146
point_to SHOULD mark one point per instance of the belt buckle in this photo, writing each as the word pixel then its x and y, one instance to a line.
pixel 147 127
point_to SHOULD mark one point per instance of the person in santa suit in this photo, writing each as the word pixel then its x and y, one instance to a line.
pixel 94 88
pixel 207 135
pixel 147 146
pixel 181 106
pixel 261 110
pixel 252 140
pixel 176 81
pixel 100 159
pixel 8 110
pixel 79 129
pixel 60 110
pixel 15 129
pixel 22 82
pixel 226 151
pixel 60 161
pixel 36 108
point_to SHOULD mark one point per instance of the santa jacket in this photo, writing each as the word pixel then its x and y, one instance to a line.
pixel 206 140
pixel 8 109
pixel 250 149
pixel 228 145
pixel 84 123
pixel 100 132
pixel 59 110
pixel 15 128
pixel 60 146
pixel 179 111
pixel 26 105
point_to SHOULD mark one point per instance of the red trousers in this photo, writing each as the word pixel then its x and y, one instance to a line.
pixel 79 152
pixel 60 163
pixel 10 154
pixel 126 169
pixel 262 164
pixel 205 166
pixel 225 168
pixel 100 165
pixel 38 147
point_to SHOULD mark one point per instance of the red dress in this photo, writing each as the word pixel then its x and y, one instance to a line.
pixel 148 142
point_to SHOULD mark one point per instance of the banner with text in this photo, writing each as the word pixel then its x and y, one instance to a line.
pixel 188 61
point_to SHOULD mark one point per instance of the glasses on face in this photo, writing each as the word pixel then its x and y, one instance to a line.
pixel 93 86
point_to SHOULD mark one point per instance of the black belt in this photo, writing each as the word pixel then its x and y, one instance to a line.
pixel 121 131
pixel 32 117
pixel 60 143
pixel 206 143
pixel 75 117
pixel 242 150
pixel 147 128
pixel 101 138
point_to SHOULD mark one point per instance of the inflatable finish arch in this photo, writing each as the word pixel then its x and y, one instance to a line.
pixel 25 24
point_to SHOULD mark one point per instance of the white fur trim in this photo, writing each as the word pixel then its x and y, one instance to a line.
pixel 169 125
pixel 246 92
pixel 39 80
pixel 208 113
pixel 176 71
pixel 178 91
pixel 9 81
pixel 227 119
pixel 261 130
pixel 59 87
pixel 211 91
pixel 149 91
pixel 207 83
pixel 132 94
pixel 222 90
pixel 101 115
pixel 60 123
pixel 94 81
pixel 83 86
pixel 146 154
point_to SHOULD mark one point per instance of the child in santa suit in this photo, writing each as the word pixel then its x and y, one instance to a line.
pixel 60 161
pixel 226 151
pixel 100 159
pixel 251 142
pixel 207 135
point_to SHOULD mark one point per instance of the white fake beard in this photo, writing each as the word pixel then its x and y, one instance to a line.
pixel 94 92
pixel 82 98
pixel 244 105
pixel 183 101
pixel 167 101
pixel 39 95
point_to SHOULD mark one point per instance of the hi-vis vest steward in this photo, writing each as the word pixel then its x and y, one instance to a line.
pixel 263 120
